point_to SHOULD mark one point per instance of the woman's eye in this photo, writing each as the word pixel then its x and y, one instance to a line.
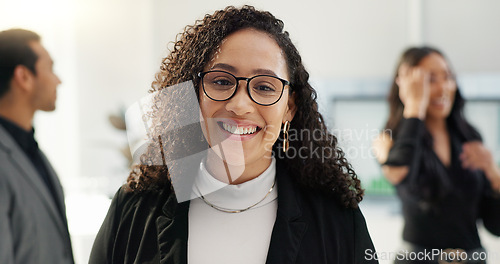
pixel 433 78
pixel 222 82
pixel 264 88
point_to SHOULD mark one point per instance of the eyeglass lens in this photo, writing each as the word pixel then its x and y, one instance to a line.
pixel 262 89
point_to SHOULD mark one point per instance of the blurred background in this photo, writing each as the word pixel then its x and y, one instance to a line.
pixel 106 52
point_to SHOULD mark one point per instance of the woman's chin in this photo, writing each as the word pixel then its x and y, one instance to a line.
pixel 438 113
pixel 230 152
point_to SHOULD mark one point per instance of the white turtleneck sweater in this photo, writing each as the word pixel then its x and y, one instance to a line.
pixel 227 238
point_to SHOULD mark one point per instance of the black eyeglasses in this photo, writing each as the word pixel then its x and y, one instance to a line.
pixel 262 89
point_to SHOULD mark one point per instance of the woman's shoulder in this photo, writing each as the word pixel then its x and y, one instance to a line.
pixel 126 199
pixel 330 203
pixel 128 219
pixel 325 213
pixel 293 187
pixel 322 202
pixel 125 195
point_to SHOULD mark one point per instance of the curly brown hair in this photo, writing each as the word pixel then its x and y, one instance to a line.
pixel 191 52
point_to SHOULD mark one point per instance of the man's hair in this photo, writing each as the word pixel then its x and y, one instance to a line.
pixel 14 51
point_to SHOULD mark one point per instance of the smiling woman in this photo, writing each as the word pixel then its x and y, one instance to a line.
pixel 247 52
pixel 249 204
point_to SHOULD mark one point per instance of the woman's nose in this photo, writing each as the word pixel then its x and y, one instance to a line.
pixel 443 85
pixel 240 103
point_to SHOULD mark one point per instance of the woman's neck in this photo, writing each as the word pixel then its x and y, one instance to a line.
pixel 231 173
pixel 436 125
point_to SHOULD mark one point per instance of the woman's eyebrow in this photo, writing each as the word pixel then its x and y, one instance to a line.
pixel 224 66
pixel 230 68
pixel 265 71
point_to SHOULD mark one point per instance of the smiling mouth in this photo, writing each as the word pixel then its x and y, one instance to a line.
pixel 440 101
pixel 238 130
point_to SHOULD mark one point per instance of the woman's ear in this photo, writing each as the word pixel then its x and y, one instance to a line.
pixel 291 108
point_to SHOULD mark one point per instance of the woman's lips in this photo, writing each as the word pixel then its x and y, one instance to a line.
pixel 238 131
pixel 441 102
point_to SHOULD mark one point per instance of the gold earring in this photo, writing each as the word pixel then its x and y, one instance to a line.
pixel 286 142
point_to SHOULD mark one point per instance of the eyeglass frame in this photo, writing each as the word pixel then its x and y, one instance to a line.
pixel 238 79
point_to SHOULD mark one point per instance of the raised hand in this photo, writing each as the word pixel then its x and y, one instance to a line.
pixel 414 91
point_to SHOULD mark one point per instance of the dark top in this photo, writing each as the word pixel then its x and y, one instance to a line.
pixel 152 227
pixel 26 140
pixel 441 204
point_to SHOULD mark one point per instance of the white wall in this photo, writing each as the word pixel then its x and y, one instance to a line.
pixel 335 38
pixel 115 66
pixel 467 31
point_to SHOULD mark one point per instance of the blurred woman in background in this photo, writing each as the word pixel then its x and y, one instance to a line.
pixel 444 175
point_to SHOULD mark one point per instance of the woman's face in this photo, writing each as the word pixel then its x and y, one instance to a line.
pixel 442 84
pixel 245 130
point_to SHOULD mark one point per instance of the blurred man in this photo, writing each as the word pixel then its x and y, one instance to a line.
pixel 33 226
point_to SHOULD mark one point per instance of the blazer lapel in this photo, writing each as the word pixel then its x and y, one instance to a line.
pixel 288 229
pixel 172 229
pixel 57 185
pixel 27 170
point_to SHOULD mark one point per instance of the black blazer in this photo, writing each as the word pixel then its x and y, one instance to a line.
pixel 310 228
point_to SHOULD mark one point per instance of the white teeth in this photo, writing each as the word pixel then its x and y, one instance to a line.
pixel 239 130
pixel 440 100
